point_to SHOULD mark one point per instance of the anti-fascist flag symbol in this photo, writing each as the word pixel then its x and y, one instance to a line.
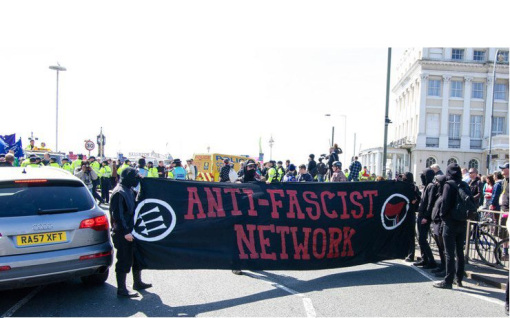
pixel 154 220
pixel 394 211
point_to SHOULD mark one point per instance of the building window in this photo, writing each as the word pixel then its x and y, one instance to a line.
pixel 504 55
pixel 452 160
pixel 476 127
pixel 457 54
pixel 456 89
pixel 454 131
pixel 434 88
pixel 429 162
pixel 498 126
pixel 454 126
pixel 500 91
pixel 479 55
pixel 477 90
pixel 473 163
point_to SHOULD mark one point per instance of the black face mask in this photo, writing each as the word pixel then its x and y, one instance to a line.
pixel 250 174
pixel 129 178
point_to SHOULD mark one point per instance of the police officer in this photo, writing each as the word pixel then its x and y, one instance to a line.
pixel 179 173
pixel 125 165
pixel 66 165
pixel 105 173
pixel 280 171
pixel 77 163
pixel 122 208
pixel 53 163
pixel 272 174
pixel 153 171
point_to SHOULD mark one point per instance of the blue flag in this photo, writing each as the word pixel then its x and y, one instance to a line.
pixel 17 147
pixel 10 140
pixel 3 146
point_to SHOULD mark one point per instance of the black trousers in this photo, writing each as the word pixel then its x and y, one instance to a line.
pixel 412 245
pixel 423 235
pixel 125 254
pixel 437 230
pixel 454 234
pixel 95 183
pixel 105 189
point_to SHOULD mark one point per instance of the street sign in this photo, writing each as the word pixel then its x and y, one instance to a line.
pixel 89 145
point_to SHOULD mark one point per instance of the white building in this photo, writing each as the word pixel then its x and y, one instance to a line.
pixel 442 111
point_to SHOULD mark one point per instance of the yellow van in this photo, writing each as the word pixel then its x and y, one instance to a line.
pixel 209 165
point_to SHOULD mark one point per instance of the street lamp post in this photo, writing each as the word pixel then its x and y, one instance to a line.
pixel 497 56
pixel 59 69
pixel 386 119
pixel 271 142
pixel 345 134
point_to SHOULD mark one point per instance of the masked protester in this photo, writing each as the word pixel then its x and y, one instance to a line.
pixel 408 177
pixel 425 219
pixel 249 172
pixel 122 208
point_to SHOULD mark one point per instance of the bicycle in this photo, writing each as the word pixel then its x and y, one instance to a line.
pixel 499 254
pixel 485 243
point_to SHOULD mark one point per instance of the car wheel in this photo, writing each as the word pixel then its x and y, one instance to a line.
pixel 95 279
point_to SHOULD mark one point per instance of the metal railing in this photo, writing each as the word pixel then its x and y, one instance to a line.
pixel 486 240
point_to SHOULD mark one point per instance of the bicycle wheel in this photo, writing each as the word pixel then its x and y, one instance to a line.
pixel 484 245
pixel 498 252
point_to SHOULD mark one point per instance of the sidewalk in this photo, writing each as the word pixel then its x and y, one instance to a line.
pixel 495 277
pixel 478 271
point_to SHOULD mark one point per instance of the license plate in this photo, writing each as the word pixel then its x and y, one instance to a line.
pixel 41 238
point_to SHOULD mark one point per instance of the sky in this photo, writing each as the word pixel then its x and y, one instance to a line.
pixel 179 77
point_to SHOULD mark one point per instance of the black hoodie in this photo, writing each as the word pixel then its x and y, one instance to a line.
pixel 440 182
pixel 122 202
pixel 449 196
pixel 409 178
pixel 427 176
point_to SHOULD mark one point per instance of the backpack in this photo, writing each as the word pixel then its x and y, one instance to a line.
pixel 322 168
pixel 464 203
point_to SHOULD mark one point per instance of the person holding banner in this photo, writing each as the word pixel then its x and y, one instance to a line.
pixel 122 209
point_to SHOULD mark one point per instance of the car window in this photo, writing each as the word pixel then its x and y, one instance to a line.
pixel 23 199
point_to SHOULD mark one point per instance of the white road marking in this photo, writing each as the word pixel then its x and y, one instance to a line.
pixel 21 303
pixel 307 302
pixel 425 274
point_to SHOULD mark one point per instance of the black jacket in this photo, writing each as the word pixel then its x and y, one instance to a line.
pixel 312 168
pixel 122 209
pixel 440 181
pixel 428 201
pixel 332 158
pixel 449 195
pixel 476 188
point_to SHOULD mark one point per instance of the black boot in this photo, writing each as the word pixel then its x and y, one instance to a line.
pixel 122 290
pixel 137 279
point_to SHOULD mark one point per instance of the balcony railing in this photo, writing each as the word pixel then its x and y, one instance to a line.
pixel 432 142
pixel 453 143
pixel 476 144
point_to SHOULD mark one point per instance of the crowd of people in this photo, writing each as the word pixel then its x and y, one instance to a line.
pixel 443 204
pixel 327 169
pixel 436 203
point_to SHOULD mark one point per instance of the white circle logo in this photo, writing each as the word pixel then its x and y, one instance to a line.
pixel 154 220
pixel 394 213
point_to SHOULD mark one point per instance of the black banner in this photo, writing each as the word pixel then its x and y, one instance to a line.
pixel 291 226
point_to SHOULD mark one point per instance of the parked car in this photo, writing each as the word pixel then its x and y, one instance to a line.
pixel 50 229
